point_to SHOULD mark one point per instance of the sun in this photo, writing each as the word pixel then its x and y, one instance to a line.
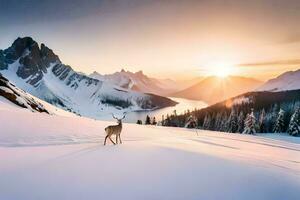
pixel 221 69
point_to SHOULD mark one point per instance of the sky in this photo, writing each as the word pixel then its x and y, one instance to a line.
pixel 167 38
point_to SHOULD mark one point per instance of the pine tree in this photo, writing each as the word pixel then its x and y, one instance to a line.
pixel 223 125
pixel 154 121
pixel 262 121
pixel 211 122
pixel 191 122
pixel 271 118
pixel 232 122
pixel 218 121
pixel 163 120
pixel 139 121
pixel 241 119
pixel 279 125
pixel 175 112
pixel 148 120
pixel 294 126
pixel 250 123
pixel 206 122
pixel 167 121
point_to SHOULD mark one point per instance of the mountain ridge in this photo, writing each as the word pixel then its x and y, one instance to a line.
pixel 138 81
pixel 289 80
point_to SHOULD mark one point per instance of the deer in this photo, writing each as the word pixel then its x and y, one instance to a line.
pixel 114 130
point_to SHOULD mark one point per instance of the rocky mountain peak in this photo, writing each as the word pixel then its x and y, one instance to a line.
pixel 34 60
pixel 27 47
pixel 19 46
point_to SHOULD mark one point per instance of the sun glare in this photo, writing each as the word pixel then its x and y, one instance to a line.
pixel 221 70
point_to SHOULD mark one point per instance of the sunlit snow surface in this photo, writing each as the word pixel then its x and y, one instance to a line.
pixel 63 157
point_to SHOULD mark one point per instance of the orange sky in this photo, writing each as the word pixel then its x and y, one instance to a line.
pixel 174 39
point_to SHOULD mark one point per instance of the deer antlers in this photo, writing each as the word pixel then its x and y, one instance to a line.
pixel 124 115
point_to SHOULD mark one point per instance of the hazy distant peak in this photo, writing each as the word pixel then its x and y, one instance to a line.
pixel 287 81
pixel 213 89
pixel 140 72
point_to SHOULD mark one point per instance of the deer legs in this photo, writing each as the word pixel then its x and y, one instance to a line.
pixel 118 138
pixel 105 140
pixel 109 139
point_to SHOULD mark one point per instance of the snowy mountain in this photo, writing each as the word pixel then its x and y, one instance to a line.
pixel 18 97
pixel 286 81
pixel 214 89
pixel 138 81
pixel 38 71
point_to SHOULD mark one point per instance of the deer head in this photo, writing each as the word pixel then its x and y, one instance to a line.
pixel 119 120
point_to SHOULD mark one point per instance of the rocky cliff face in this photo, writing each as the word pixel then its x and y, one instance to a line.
pixel 19 97
pixel 39 71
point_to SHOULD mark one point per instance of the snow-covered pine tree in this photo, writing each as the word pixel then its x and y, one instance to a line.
pixel 232 122
pixel 294 126
pixel 206 122
pixel 279 124
pixel 271 118
pixel 191 122
pixel 250 123
pixel 217 123
pixel 212 122
pixel 241 119
pixel 262 121
pixel 224 124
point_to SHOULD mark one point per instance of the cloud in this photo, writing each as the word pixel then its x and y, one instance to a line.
pixel 293 38
pixel 266 63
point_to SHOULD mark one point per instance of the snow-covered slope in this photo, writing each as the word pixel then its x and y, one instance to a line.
pixel 18 97
pixel 64 158
pixel 138 81
pixel 286 81
pixel 38 71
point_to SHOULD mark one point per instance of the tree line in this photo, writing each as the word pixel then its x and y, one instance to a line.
pixel 148 121
pixel 241 118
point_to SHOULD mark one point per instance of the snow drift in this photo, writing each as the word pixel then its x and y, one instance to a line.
pixel 57 157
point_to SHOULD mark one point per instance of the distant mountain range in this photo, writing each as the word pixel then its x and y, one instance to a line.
pixel 286 81
pixel 140 82
pixel 214 89
pixel 39 71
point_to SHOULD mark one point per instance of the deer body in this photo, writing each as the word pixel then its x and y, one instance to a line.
pixel 114 130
